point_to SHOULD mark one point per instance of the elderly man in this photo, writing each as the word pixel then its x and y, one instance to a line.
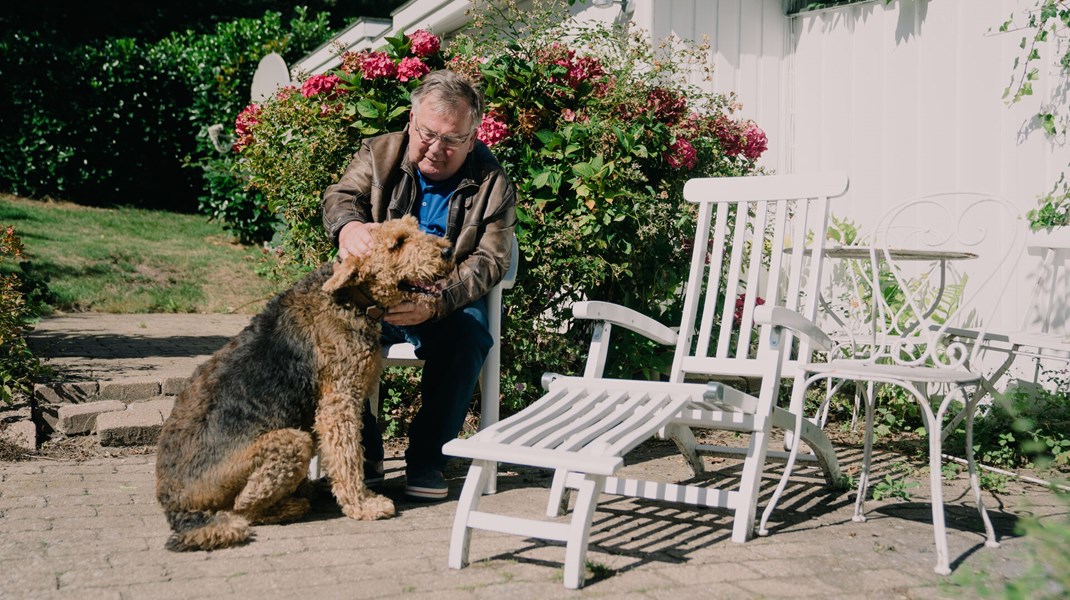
pixel 439 172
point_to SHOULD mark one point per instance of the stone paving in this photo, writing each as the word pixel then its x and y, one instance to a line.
pixel 92 529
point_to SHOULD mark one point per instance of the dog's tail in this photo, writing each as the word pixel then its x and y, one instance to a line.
pixel 206 530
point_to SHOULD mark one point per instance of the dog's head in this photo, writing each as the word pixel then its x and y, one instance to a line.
pixel 403 266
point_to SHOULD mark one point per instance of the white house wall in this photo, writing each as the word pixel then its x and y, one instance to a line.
pixel 906 97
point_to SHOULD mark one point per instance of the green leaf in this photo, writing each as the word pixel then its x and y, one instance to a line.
pixel 550 139
pixel 541 180
pixel 367 108
pixel 1047 122
pixel 584 170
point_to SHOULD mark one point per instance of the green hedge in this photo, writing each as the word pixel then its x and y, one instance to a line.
pixel 120 121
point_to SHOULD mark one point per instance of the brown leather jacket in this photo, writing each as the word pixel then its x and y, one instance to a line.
pixel 380 184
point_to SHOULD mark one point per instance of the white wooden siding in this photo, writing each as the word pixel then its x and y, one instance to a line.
pixel 906 97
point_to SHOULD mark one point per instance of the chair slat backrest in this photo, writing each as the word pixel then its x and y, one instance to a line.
pixel 755 237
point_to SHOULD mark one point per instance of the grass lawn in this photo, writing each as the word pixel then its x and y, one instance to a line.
pixel 127 260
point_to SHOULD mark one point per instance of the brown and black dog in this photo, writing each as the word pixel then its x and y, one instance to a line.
pixel 238 442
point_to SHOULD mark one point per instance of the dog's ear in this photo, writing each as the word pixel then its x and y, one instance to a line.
pixel 346 272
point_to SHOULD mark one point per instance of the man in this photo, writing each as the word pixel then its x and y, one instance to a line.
pixel 439 172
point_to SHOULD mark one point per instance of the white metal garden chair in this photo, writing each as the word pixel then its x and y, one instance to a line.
pixel 918 317
pixel 755 237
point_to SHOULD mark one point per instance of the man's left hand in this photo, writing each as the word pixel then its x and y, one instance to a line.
pixel 408 313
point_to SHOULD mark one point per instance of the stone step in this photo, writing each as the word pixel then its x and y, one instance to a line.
pixel 125 412
pixel 138 425
pixel 115 423
pixel 125 390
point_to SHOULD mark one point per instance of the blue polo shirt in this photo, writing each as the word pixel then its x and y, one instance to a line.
pixel 435 203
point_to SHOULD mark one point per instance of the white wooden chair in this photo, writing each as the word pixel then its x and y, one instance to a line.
pixel 404 355
pixel 755 237
pixel 918 319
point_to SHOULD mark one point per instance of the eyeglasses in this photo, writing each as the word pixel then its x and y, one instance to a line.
pixel 429 137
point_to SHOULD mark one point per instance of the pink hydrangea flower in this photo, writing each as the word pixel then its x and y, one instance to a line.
pixel 244 124
pixel 284 93
pixel 583 69
pixel 412 68
pixel 321 84
pixel 756 141
pixel 378 64
pixel 730 134
pixel 579 70
pixel 423 43
pixel 668 106
pixel 681 154
pixel 492 130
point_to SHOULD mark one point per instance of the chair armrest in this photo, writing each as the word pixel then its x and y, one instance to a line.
pixel 778 316
pixel 626 318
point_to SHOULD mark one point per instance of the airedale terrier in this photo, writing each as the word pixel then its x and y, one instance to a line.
pixel 239 439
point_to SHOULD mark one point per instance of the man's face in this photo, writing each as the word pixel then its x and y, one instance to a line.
pixel 439 142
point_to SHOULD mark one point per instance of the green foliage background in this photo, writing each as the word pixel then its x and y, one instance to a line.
pixel 118 120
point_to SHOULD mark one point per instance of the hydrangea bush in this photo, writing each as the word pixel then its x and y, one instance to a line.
pixel 598 127
pixel 299 142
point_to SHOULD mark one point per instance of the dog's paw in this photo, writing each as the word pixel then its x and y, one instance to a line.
pixel 370 508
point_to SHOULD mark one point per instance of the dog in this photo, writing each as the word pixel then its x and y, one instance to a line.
pixel 237 445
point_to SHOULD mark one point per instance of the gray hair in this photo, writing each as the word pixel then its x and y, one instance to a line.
pixel 447 91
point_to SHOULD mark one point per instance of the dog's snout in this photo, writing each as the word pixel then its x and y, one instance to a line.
pixel 447 254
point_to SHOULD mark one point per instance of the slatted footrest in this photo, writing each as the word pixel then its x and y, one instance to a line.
pixel 581 425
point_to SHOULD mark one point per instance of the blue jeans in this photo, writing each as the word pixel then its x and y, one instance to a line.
pixel 453 350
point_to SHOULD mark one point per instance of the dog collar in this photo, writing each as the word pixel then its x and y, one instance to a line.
pixel 371 309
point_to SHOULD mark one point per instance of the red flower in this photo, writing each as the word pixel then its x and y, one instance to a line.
pixel 492 130
pixel 321 84
pixel 423 43
pixel 377 64
pixel 755 141
pixel 667 106
pixel 244 124
pixel 578 70
pixel 681 154
pixel 741 301
pixel 730 134
pixel 583 69
pixel 412 68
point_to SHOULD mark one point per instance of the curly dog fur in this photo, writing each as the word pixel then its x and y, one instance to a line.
pixel 239 439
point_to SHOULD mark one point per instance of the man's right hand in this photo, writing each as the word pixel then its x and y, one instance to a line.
pixel 355 239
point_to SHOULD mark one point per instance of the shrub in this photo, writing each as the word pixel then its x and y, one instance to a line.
pixel 233 51
pixel 299 142
pixel 1029 429
pixel 17 363
pixel 599 130
pixel 120 120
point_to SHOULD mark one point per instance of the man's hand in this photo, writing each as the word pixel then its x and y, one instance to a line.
pixel 355 239
pixel 408 313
